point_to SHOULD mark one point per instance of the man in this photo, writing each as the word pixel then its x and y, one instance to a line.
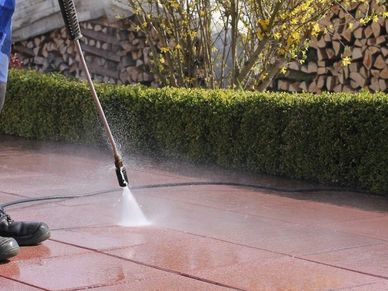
pixel 13 233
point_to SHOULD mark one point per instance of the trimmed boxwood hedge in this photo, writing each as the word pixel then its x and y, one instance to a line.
pixel 339 139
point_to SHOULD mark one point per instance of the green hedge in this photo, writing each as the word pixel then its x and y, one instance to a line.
pixel 339 139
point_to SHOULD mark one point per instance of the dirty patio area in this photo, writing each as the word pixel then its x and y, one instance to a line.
pixel 202 237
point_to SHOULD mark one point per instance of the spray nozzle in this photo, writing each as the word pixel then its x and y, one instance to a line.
pixel 121 172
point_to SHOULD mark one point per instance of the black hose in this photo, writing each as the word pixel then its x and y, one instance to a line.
pixel 55 197
pixel 170 185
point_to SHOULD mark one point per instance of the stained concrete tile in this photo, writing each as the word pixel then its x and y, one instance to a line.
pixel 376 286
pixel 165 282
pixel 286 274
pixel 50 184
pixel 169 249
pixel 9 285
pixel 50 169
pixel 102 211
pixel 189 254
pixel 219 197
pixel 77 271
pixel 47 249
pixel 234 227
pixel 264 204
pixel 246 229
pixel 259 232
pixel 373 227
pixel 5 198
pixel 113 237
pixel 149 176
pixel 369 259
pixel 237 236
pixel 37 173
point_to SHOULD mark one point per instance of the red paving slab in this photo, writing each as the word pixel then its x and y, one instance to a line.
pixel 209 237
pixel 359 259
pixel 366 287
pixel 50 249
pixel 286 274
pixel 264 204
pixel 77 271
pixel 6 284
pixel 373 227
pixel 166 282
pixel 174 250
pixel 9 197
pixel 100 211
pixel 259 232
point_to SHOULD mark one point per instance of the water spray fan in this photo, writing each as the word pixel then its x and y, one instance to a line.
pixel 70 18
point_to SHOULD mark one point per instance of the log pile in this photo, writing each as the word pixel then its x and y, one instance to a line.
pixel 366 46
pixel 117 54
pixel 114 54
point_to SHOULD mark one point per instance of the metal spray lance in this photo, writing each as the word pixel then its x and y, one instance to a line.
pixel 70 18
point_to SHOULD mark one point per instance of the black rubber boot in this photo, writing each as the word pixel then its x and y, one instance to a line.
pixel 8 248
pixel 26 233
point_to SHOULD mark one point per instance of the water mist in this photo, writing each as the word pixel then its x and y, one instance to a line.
pixel 131 214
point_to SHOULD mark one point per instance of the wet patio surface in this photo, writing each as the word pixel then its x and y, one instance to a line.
pixel 202 237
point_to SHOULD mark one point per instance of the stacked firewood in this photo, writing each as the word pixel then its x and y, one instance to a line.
pixel 348 58
pixel 114 54
pixel 118 54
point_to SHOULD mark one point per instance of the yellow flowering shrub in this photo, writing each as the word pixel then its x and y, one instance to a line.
pixel 235 43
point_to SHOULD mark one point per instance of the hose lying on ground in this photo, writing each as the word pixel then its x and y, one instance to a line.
pixel 170 185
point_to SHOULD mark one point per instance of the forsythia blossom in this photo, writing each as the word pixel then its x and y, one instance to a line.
pixel 346 61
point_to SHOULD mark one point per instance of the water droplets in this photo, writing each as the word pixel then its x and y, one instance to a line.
pixel 131 214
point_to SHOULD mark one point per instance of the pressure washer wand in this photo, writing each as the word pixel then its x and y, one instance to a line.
pixel 70 18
